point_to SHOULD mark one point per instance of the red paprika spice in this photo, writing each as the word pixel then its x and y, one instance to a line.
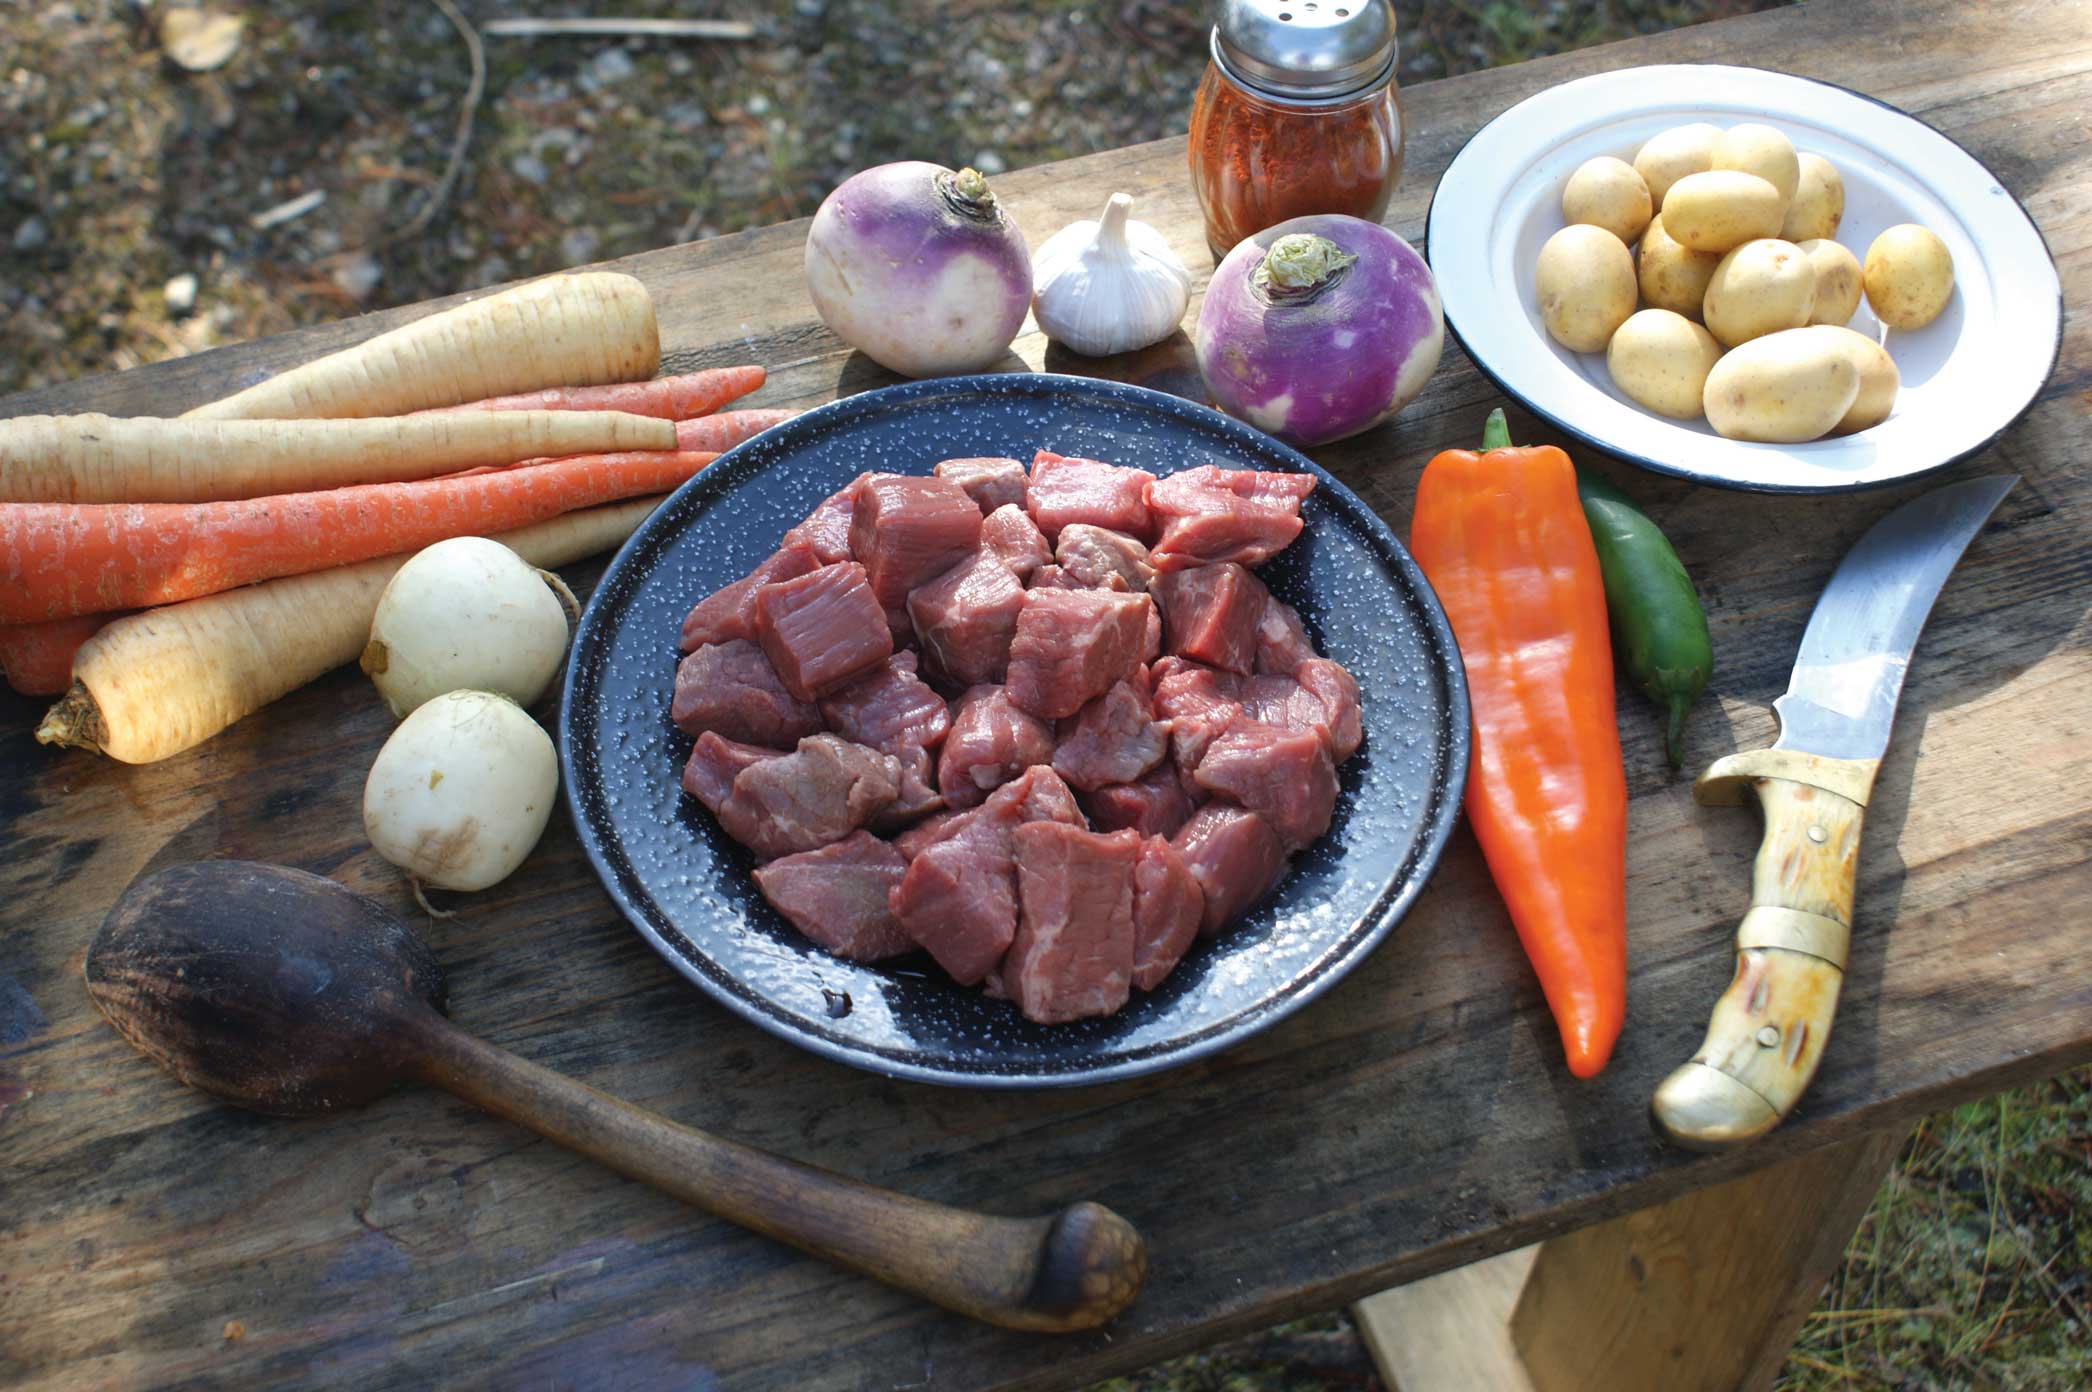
pixel 1297 114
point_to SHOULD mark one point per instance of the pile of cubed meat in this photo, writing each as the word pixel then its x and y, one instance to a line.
pixel 1046 726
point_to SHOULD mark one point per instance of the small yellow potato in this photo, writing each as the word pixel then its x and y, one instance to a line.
pixel 1908 276
pixel 1818 205
pixel 1761 287
pixel 1781 389
pixel 1722 209
pixel 1675 277
pixel 1879 379
pixel 1606 192
pixel 1763 151
pixel 1585 281
pixel 1667 157
pixel 1837 281
pixel 1661 359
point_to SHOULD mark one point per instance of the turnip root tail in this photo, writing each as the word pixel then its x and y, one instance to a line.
pixel 586 329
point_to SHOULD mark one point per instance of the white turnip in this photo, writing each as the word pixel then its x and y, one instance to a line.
pixel 466 613
pixel 462 791
pixel 920 268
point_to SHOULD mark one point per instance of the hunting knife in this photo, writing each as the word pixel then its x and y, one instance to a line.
pixel 1770 1026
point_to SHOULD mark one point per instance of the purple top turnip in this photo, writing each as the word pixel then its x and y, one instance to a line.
pixel 920 268
pixel 1319 328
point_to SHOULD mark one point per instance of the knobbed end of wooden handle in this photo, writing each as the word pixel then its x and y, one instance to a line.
pixel 1091 1265
pixel 1703 1108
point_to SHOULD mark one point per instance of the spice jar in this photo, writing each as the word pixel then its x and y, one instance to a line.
pixel 1297 114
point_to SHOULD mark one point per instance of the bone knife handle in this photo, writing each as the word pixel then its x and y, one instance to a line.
pixel 1770 1026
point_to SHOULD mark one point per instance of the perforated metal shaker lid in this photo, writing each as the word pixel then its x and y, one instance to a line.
pixel 1306 48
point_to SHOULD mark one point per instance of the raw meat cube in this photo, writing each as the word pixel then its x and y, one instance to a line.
pixel 1285 777
pixel 1101 559
pixel 715 763
pixel 991 741
pixel 823 630
pixel 991 483
pixel 827 528
pixel 1206 515
pixel 918 795
pixel 1167 902
pixel 1198 702
pixel 837 896
pixel 908 531
pixel 1282 639
pixel 1065 490
pixel 928 831
pixel 1052 577
pixel 1259 486
pixel 1234 855
pixel 1154 805
pixel 1071 645
pixel 1337 690
pixel 1210 613
pixel 731 688
pixel 819 793
pixel 958 899
pixel 889 709
pixel 729 613
pixel 1009 535
pixel 1048 799
pixel 1113 739
pixel 966 619
pixel 1073 953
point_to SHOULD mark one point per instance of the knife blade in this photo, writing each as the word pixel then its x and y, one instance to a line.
pixel 1769 1028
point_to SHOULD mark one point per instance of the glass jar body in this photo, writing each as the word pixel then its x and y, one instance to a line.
pixel 1256 162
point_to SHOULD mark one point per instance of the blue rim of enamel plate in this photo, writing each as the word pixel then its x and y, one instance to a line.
pixel 589 800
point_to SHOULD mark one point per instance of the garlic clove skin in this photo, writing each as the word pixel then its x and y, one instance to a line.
pixel 1109 286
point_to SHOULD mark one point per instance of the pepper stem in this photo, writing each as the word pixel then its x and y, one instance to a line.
pixel 1674 730
pixel 1496 432
pixel 1298 265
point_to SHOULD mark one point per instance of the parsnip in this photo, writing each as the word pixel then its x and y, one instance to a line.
pixel 156 683
pixel 576 330
pixel 107 459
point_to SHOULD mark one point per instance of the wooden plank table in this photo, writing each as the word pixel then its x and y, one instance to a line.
pixel 1418 1118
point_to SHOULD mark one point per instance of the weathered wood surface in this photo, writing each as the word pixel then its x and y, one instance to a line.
pixel 1701 1294
pixel 1417 1118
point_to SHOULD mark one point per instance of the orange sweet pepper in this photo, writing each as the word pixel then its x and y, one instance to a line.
pixel 1502 537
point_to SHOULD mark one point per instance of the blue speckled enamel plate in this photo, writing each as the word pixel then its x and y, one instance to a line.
pixel 686 887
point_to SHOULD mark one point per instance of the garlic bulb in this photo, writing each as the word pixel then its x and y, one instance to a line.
pixel 1109 286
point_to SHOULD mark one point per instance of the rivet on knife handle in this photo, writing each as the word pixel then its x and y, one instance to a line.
pixel 1770 1026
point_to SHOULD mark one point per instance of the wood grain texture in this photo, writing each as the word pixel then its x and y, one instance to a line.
pixel 1450 1332
pixel 1702 1294
pixel 1417 1118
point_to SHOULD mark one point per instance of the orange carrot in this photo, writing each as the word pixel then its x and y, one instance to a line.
pixel 722 432
pixel 682 397
pixel 37 658
pixel 61 559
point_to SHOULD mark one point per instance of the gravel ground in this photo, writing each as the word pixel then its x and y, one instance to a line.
pixel 135 203
pixel 122 175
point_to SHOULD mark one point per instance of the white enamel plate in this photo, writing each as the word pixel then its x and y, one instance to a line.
pixel 1966 376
